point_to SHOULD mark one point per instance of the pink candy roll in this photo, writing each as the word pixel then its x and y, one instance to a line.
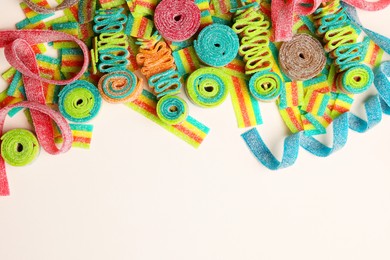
pixel 177 20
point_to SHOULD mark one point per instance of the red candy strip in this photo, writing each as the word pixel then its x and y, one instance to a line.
pixel 15 55
pixel 19 53
pixel 177 20
pixel 369 6
pixel 282 13
pixel 37 108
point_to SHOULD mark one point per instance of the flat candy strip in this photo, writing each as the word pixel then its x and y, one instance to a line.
pixel 191 131
pixel 46 10
pixel 246 107
pixel 186 60
pixel 81 133
pixel 86 11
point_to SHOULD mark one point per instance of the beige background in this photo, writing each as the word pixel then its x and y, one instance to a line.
pixel 142 194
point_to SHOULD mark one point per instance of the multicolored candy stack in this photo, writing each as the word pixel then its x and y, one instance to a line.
pixel 308 57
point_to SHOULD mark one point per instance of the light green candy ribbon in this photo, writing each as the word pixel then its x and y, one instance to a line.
pixel 207 87
pixel 19 147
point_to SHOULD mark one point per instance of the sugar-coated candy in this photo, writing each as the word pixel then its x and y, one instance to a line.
pixel 177 20
pixel 217 45
pixel 265 85
pixel 79 101
pixel 172 110
pixel 302 58
pixel 120 86
pixel 19 147
pixel 207 87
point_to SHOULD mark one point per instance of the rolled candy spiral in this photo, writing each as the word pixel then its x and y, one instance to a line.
pixel 120 86
pixel 207 87
pixel 217 45
pixel 172 110
pixel 302 58
pixel 356 79
pixel 265 85
pixel 79 101
pixel 177 20
pixel 19 147
pixel 44 10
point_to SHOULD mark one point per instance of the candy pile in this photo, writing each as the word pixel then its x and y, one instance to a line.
pixel 309 57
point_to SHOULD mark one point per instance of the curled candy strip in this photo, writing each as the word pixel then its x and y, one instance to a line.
pixel 356 79
pixel 165 83
pixel 109 21
pixel 207 87
pixel 252 27
pixel 177 20
pixel 302 58
pixel 265 85
pixel 43 110
pixel 217 45
pixel 172 110
pixel 155 60
pixel 79 101
pixel 120 86
pixel 282 15
pixel 44 10
pixel 368 5
pixel 19 147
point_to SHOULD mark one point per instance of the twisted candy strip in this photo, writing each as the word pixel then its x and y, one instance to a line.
pixel 155 60
pixel 21 56
pixel 165 83
pixel 251 25
pixel 109 21
pixel 340 40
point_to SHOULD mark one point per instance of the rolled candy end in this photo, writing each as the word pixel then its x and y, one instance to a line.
pixel 302 58
pixel 217 45
pixel 19 147
pixel 355 80
pixel 79 101
pixel 172 110
pixel 207 87
pixel 120 87
pixel 177 20
pixel 265 85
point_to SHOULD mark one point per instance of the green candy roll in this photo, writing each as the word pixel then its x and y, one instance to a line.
pixel 265 85
pixel 207 87
pixel 172 110
pixel 79 101
pixel 356 79
pixel 19 147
